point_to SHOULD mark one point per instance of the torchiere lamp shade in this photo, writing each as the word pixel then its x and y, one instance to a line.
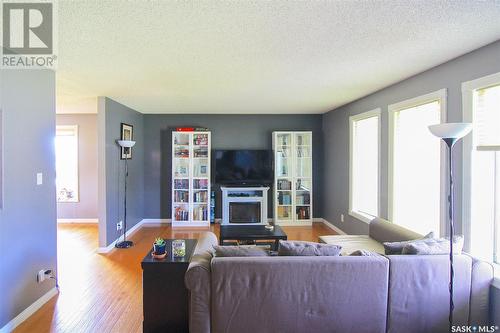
pixel 451 130
pixel 126 143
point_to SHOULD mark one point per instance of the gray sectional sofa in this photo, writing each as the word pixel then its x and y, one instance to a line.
pixel 397 293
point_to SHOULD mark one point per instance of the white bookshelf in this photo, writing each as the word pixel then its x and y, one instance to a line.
pixel 191 178
pixel 293 203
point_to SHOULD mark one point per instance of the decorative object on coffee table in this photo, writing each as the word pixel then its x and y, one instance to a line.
pixel 450 133
pixel 165 297
pixel 126 155
pixel 159 247
pixel 179 248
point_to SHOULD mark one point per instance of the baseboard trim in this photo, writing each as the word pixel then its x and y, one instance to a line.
pixel 157 221
pixel 333 227
pixel 130 232
pixel 77 221
pixel 20 318
pixel 145 222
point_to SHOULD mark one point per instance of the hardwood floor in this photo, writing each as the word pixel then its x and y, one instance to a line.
pixel 103 292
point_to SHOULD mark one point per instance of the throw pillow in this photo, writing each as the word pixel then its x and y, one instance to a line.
pixel 364 253
pixel 434 246
pixel 297 248
pixel 239 251
pixel 397 247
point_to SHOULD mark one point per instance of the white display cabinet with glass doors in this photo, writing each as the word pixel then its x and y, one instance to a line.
pixel 190 178
pixel 292 178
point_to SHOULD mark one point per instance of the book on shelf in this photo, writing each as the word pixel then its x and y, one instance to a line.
pixel 200 139
pixel 284 198
pixel 200 213
pixel 303 199
pixel 212 207
pixel 181 196
pixel 181 184
pixel 302 213
pixel 200 152
pixel 200 184
pixel 284 212
pixel 284 185
pixel 181 152
pixel 181 214
pixel 200 196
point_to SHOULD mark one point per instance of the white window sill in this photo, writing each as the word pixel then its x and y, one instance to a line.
pixel 361 216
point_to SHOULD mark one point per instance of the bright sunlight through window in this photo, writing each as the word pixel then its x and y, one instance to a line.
pixel 67 163
pixel 485 174
pixel 416 167
pixel 364 136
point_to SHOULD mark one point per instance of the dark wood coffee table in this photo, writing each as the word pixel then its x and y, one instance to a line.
pixel 251 233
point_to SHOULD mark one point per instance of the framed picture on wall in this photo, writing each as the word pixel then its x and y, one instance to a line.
pixel 127 134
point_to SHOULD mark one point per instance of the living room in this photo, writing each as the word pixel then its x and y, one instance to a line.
pixel 255 127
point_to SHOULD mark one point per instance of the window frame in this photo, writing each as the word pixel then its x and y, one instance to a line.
pixel 468 89
pixel 74 128
pixel 438 95
pixel 352 119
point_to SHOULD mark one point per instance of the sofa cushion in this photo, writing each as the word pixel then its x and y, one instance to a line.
pixel 482 277
pixel 419 296
pixel 351 243
pixel 397 247
pixel 299 294
pixel 434 246
pixel 240 251
pixel 299 248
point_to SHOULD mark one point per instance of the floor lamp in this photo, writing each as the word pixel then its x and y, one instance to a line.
pixel 127 145
pixel 450 133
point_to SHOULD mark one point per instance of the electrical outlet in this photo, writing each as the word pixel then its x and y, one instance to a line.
pixel 40 276
pixel 119 225
pixel 43 274
pixel 341 217
pixel 39 178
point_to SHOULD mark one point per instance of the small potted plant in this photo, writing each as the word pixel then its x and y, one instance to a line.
pixel 159 248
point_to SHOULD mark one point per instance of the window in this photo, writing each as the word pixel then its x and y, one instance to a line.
pixel 364 165
pixel 67 163
pixel 415 163
pixel 482 168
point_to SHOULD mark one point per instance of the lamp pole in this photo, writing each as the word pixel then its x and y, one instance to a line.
pixel 450 133
pixel 450 142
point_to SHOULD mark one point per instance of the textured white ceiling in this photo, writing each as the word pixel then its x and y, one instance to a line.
pixel 256 56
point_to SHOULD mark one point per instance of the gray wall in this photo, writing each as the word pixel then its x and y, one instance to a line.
pixel 28 219
pixel 228 132
pixel 112 170
pixel 450 75
pixel 86 207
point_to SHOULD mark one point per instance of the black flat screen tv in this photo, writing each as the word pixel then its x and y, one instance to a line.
pixel 242 167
